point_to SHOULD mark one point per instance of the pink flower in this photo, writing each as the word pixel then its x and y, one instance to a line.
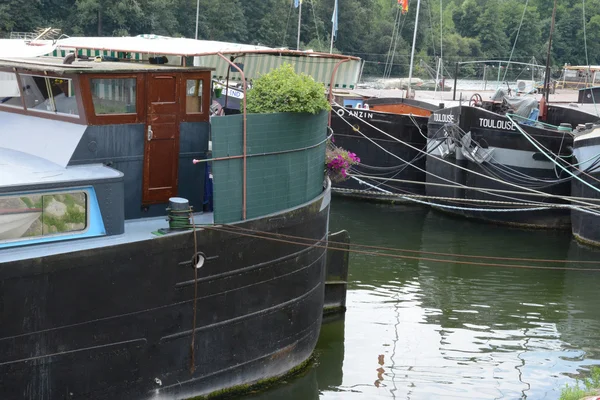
pixel 338 162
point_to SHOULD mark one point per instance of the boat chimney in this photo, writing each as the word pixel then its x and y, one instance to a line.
pixel 69 58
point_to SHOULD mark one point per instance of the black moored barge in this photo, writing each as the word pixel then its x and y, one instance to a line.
pixel 101 298
pixel 585 184
pixel 389 135
pixel 478 146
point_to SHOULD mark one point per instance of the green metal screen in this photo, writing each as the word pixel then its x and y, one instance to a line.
pixel 275 182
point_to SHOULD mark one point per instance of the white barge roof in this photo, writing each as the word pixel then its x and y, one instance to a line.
pixel 55 65
pixel 164 45
pixel 22 169
pixel 253 59
pixel 21 48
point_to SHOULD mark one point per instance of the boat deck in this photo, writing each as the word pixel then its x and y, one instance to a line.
pixel 135 231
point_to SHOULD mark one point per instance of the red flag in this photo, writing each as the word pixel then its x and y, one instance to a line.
pixel 404 5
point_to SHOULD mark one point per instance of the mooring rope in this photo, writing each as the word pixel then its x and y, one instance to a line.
pixel 411 250
pixel 538 146
pixel 441 198
pixel 587 210
pixel 262 235
pixel 415 148
pixel 475 188
pixel 450 207
pixel 525 190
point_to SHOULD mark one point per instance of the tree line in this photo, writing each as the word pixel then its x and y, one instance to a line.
pixel 371 29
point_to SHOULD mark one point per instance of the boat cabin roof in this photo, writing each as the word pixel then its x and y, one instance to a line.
pixel 90 92
pixel 151 44
pixel 54 65
pixel 18 169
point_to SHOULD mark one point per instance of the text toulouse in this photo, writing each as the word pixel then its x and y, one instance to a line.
pixel 483 122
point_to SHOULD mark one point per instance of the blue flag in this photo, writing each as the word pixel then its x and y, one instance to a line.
pixel 297 3
pixel 334 19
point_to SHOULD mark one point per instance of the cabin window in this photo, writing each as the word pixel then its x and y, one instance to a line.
pixel 114 96
pixel 193 96
pixel 40 215
pixel 49 95
pixel 9 90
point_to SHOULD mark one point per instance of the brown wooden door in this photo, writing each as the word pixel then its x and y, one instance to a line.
pixel 161 152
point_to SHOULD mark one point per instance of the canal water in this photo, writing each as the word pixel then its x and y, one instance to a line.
pixel 421 329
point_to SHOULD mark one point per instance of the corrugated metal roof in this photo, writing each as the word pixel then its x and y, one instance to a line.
pixel 255 65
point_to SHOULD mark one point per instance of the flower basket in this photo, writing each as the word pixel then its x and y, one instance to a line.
pixel 338 162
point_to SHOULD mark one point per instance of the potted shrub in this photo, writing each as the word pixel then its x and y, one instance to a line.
pixel 283 90
pixel 286 141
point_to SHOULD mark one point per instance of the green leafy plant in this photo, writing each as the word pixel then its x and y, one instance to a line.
pixel 590 387
pixel 283 90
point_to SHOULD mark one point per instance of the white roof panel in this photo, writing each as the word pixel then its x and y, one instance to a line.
pixel 18 169
pixel 157 45
pixel 164 45
pixel 49 139
pixel 17 48
pixel 257 60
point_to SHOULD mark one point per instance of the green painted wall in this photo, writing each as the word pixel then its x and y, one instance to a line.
pixel 274 182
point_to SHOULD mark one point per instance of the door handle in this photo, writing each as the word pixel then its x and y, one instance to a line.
pixel 150 133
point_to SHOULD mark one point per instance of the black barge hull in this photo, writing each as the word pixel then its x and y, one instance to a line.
pixel 585 225
pixel 381 155
pixel 513 158
pixel 116 322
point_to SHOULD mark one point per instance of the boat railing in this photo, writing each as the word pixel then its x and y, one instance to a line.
pixel 22 35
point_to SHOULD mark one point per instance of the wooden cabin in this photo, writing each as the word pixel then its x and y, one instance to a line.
pixel 148 121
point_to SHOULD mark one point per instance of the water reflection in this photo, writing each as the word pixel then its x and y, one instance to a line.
pixel 463 331
pixel 580 326
pixel 421 329
pixel 324 374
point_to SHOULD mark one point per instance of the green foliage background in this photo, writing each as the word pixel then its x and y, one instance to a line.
pixel 472 29
pixel 282 90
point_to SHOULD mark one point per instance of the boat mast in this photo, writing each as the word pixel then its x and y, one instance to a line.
pixel 547 76
pixel 412 52
pixel 299 18
pixel 197 15
pixel 440 62
pixel 334 23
